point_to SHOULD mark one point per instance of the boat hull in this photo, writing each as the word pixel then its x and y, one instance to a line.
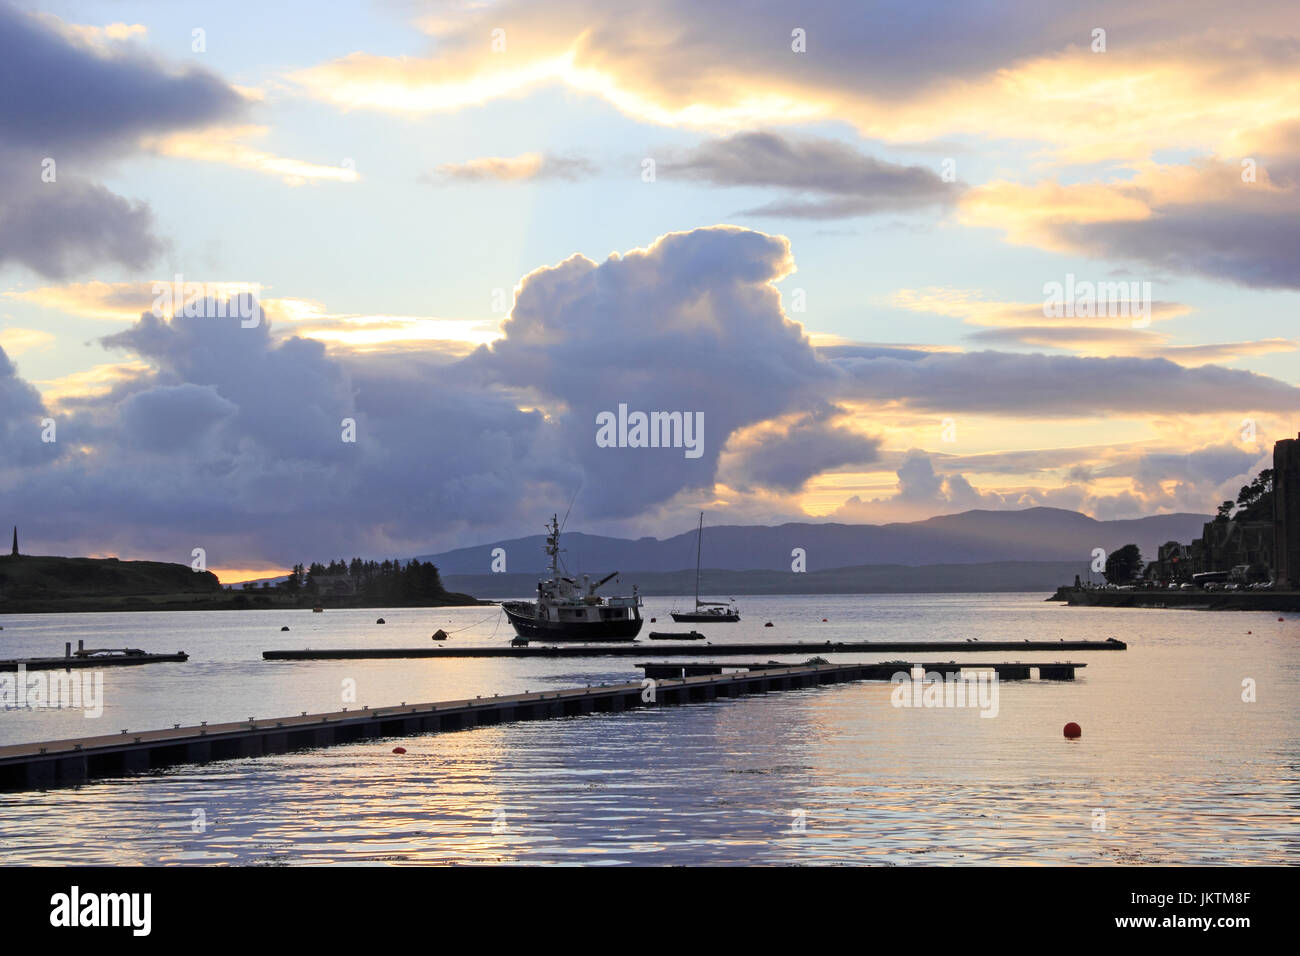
pixel 690 617
pixel 526 625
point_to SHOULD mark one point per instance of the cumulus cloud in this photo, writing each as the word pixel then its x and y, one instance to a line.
pixel 209 433
pixel 692 323
pixel 22 413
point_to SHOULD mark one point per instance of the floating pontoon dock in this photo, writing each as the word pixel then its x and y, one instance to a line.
pixel 64 762
pixel 630 649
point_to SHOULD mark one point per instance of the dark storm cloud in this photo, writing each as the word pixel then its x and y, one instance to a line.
pixel 1255 245
pixel 1057 385
pixel 60 94
pixel 786 458
pixel 233 439
pixel 79 105
pixel 830 179
pixel 59 229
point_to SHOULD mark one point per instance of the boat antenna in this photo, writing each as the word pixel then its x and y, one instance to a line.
pixel 570 508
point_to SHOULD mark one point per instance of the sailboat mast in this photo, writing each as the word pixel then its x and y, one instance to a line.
pixel 699 540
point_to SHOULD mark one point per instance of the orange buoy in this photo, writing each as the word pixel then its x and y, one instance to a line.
pixel 1073 730
pixel 399 750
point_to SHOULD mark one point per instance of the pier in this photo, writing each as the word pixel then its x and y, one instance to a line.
pixel 69 762
pixel 106 657
pixel 1018 670
pixel 705 649
pixel 1280 601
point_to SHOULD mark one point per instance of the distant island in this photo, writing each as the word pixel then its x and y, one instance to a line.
pixel 41 584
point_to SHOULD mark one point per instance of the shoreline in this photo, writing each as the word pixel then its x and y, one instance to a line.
pixel 146 603
pixel 1272 601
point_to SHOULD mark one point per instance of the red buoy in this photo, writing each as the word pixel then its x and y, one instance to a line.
pixel 399 750
pixel 652 620
pixel 1073 730
pixel 823 620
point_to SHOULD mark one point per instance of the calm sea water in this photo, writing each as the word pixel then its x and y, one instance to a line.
pixel 1173 766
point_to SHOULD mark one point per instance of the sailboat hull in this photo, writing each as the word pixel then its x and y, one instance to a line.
pixel 691 617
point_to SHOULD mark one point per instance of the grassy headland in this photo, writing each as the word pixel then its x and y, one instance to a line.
pixel 38 584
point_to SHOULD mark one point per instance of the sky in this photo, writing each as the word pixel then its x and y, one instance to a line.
pixel 289 285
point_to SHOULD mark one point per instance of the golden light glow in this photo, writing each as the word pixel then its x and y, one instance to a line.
pixel 17 341
pixel 126 301
pixel 310 319
pixel 226 145
pixel 92 382
pixel 237 576
pixel 1196 93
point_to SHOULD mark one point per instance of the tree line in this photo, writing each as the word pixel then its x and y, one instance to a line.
pixel 382 581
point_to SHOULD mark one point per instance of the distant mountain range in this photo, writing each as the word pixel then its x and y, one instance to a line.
pixel 1033 535
pixel 1044 576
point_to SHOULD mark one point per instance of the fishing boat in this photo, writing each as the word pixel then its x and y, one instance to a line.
pixel 721 612
pixel 568 609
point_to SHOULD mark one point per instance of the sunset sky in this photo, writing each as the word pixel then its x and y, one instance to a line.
pixel 472 227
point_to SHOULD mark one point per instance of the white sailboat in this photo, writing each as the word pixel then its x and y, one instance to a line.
pixel 718 611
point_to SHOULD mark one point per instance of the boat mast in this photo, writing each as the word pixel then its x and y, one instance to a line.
pixel 553 546
pixel 699 540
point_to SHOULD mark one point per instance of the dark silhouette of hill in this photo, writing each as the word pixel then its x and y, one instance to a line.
pixel 972 537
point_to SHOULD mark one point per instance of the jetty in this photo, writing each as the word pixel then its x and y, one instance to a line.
pixel 1197 600
pixel 1016 670
pixel 70 762
pixel 92 657
pixel 704 649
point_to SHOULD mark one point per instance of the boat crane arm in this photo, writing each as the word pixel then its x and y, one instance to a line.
pixel 607 578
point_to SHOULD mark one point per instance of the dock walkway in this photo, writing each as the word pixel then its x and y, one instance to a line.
pixel 631 649
pixel 67 762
